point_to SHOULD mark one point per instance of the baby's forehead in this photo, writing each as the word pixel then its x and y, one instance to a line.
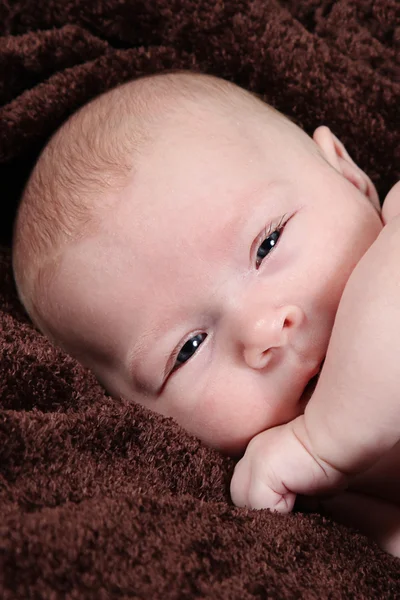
pixel 197 181
pixel 198 158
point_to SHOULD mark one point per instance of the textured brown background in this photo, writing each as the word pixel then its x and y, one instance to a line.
pixel 101 499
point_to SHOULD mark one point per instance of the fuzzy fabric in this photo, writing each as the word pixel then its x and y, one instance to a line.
pixel 100 498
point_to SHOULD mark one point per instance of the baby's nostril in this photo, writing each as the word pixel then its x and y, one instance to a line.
pixel 287 322
pixel 293 317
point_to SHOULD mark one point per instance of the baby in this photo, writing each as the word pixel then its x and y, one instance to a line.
pixel 205 257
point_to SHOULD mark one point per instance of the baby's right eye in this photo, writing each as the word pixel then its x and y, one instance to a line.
pixel 188 349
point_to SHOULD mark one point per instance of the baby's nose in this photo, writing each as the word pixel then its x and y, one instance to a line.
pixel 264 329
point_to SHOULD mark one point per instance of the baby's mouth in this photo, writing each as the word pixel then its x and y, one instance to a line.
pixel 309 389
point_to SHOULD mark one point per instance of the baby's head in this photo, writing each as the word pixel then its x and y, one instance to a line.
pixel 190 245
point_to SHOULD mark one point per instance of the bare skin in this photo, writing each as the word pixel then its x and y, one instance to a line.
pixel 210 294
pixel 348 436
pixel 375 509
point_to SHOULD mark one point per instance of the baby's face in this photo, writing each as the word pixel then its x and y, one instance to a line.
pixel 211 291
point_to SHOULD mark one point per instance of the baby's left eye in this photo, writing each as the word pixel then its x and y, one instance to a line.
pixel 189 349
pixel 268 244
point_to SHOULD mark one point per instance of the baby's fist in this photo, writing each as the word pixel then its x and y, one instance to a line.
pixel 278 465
pixel 257 480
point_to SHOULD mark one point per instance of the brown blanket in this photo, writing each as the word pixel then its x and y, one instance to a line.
pixel 98 497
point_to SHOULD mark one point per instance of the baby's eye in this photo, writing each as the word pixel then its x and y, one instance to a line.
pixel 188 349
pixel 268 244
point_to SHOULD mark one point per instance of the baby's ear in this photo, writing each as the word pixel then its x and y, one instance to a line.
pixel 336 154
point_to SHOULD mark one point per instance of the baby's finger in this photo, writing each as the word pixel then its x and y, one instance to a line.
pixel 262 495
pixel 251 488
pixel 240 483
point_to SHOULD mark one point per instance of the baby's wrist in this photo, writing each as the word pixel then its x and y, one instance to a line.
pixel 334 477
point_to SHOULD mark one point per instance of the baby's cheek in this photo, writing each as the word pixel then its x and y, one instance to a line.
pixel 228 417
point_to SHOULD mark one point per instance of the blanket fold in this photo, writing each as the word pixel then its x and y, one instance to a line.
pixel 101 498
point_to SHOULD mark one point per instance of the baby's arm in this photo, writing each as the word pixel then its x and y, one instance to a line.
pixel 354 414
pixel 391 206
pixel 353 417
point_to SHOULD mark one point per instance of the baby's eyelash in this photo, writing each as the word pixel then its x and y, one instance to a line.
pixel 170 366
pixel 274 227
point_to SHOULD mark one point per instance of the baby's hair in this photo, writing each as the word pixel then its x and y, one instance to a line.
pixel 93 153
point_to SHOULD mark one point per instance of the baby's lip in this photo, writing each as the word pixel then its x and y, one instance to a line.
pixel 310 387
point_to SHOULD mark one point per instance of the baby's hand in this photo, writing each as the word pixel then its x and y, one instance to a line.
pixel 277 465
